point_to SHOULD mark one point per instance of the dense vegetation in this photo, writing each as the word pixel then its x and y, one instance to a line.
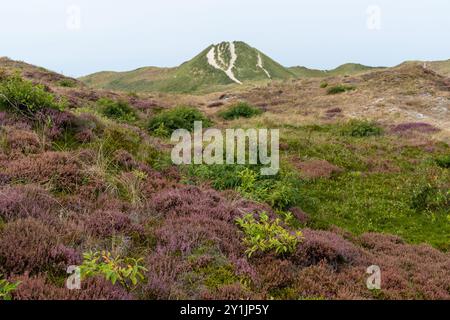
pixel 87 185
pixel 177 118
pixel 240 110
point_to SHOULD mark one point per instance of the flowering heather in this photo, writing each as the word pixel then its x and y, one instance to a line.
pixel 61 169
pixel 165 272
pixel 313 169
pixel 106 223
pixel 27 201
pixel 235 291
pixel 38 288
pixel 22 141
pixel 414 127
pixel 189 200
pixel 275 273
pixel 186 233
pixel 325 246
pixel 26 245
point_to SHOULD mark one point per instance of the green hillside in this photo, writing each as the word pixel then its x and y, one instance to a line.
pixel 228 63
pixel 345 69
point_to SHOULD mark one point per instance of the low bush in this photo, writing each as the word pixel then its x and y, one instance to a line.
pixel 443 162
pixel 267 236
pixel 361 129
pixel 240 110
pixel 340 89
pixel 430 198
pixel 126 271
pixel 26 245
pixel 68 83
pixel 178 118
pixel 6 288
pixel 25 97
pixel 40 288
pixel 118 110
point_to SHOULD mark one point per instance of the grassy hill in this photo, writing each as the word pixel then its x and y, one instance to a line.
pixel 442 67
pixel 88 180
pixel 196 74
pixel 343 70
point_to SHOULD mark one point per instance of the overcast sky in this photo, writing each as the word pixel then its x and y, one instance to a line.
pixel 79 37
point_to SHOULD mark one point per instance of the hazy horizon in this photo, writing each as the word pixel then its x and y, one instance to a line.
pixel 80 37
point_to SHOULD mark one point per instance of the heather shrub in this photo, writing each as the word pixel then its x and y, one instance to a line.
pixel 263 235
pixel 408 271
pixel 190 200
pixel 361 129
pixel 22 141
pixel 318 246
pixel 240 110
pixel 25 97
pixel 414 127
pixel 275 276
pixel 26 245
pixel 340 89
pixel 118 110
pixel 39 288
pixel 235 291
pixel 314 169
pixel 182 235
pixel 164 277
pixel 177 118
pixel 18 202
pixel 105 223
pixel 63 171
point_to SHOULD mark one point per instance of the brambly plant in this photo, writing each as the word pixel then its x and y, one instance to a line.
pixel 126 271
pixel 264 235
pixel 25 97
pixel 6 288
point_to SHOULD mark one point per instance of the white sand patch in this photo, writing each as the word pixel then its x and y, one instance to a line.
pixel 211 56
pixel 260 65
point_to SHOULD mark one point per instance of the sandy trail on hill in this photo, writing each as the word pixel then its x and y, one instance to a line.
pixel 211 56
pixel 260 65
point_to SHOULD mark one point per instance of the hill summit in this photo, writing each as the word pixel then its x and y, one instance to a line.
pixel 220 64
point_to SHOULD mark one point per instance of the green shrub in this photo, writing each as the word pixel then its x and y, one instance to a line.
pixel 361 128
pixel 267 236
pixel 68 83
pixel 118 110
pixel 177 118
pixel 6 288
pixel 443 162
pixel 25 97
pixel 323 85
pixel 240 110
pixel 340 89
pixel 127 271
pixel 430 198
